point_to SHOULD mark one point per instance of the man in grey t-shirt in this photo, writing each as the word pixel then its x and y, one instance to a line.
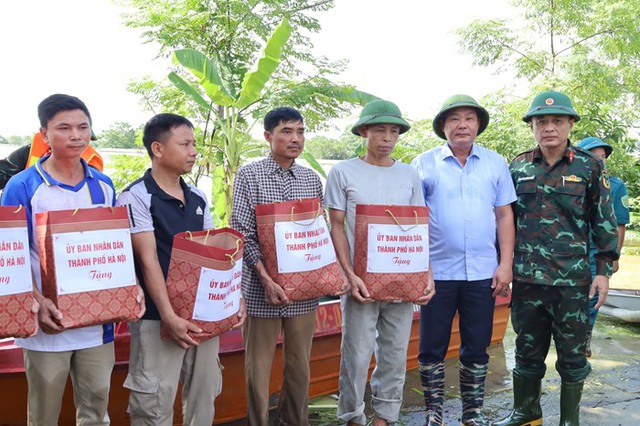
pixel 374 178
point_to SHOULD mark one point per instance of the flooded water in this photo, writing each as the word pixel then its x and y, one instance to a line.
pixel 628 276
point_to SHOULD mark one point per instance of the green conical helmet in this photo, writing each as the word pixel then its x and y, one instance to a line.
pixel 551 103
pixel 458 101
pixel 380 112
pixel 592 142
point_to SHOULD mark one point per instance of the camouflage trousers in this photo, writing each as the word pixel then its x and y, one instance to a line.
pixel 539 312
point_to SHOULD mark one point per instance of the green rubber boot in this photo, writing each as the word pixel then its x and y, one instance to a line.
pixel 432 378
pixel 526 403
pixel 570 395
pixel 472 380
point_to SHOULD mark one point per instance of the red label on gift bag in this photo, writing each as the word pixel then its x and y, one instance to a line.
pixel 16 284
pixel 205 278
pixel 297 248
pixel 87 265
pixel 391 253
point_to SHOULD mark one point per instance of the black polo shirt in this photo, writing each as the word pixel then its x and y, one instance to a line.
pixel 153 210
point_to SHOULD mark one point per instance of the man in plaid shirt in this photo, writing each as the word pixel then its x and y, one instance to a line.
pixel 277 178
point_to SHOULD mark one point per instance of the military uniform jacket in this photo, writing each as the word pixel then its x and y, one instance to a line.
pixel 557 205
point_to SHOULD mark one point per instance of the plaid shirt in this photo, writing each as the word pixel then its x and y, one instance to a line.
pixel 265 182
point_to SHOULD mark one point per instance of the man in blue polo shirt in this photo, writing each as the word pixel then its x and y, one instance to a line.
pixel 61 181
pixel 469 192
pixel 161 205
pixel 602 151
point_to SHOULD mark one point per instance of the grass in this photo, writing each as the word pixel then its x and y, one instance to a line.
pixel 631 243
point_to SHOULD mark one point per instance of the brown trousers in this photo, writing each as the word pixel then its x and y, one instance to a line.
pixel 47 374
pixel 260 338
pixel 155 367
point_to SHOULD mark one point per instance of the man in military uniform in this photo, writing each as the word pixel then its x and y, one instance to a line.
pixel 563 195
pixel 602 151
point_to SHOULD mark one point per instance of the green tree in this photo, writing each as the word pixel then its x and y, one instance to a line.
pixel 331 149
pixel 119 135
pixel 226 104
pixel 589 49
pixel 19 140
pixel 217 41
pixel 126 167
pixel 232 33
pixel 416 141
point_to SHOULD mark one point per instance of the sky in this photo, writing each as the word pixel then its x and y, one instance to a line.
pixel 403 50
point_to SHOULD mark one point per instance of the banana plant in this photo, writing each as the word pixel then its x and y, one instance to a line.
pixel 228 106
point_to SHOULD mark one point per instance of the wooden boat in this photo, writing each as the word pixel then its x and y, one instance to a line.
pixel 230 405
pixel 623 304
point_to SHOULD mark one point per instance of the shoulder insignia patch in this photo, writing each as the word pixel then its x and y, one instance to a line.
pixel 605 179
pixel 625 201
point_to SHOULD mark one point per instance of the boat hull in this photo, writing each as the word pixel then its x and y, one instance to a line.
pixel 231 403
pixel 623 304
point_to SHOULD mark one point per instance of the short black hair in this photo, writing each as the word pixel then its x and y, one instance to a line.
pixel 159 127
pixel 53 104
pixel 281 115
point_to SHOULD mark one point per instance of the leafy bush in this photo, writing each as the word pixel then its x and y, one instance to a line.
pixel 634 210
pixel 127 168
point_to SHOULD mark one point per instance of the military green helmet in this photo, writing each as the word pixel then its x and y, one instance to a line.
pixel 380 112
pixel 551 103
pixel 591 143
pixel 458 101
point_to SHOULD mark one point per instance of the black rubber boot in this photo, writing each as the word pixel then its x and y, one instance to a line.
pixel 570 395
pixel 526 403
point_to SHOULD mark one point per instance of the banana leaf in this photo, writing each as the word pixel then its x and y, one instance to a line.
pixel 255 80
pixel 206 71
pixel 189 90
pixel 314 163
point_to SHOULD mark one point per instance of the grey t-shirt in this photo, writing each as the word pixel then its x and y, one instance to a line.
pixel 355 181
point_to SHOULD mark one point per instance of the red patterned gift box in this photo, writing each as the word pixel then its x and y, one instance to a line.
pixel 87 266
pixel 391 253
pixel 16 284
pixel 297 248
pixel 204 279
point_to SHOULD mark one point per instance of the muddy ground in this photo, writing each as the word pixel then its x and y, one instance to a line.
pixel 611 395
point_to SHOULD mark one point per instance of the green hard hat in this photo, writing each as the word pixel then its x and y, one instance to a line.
pixel 551 103
pixel 591 143
pixel 459 101
pixel 380 112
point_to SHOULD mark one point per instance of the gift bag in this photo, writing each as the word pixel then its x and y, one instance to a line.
pixel 16 284
pixel 391 253
pixel 204 282
pixel 297 248
pixel 87 265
